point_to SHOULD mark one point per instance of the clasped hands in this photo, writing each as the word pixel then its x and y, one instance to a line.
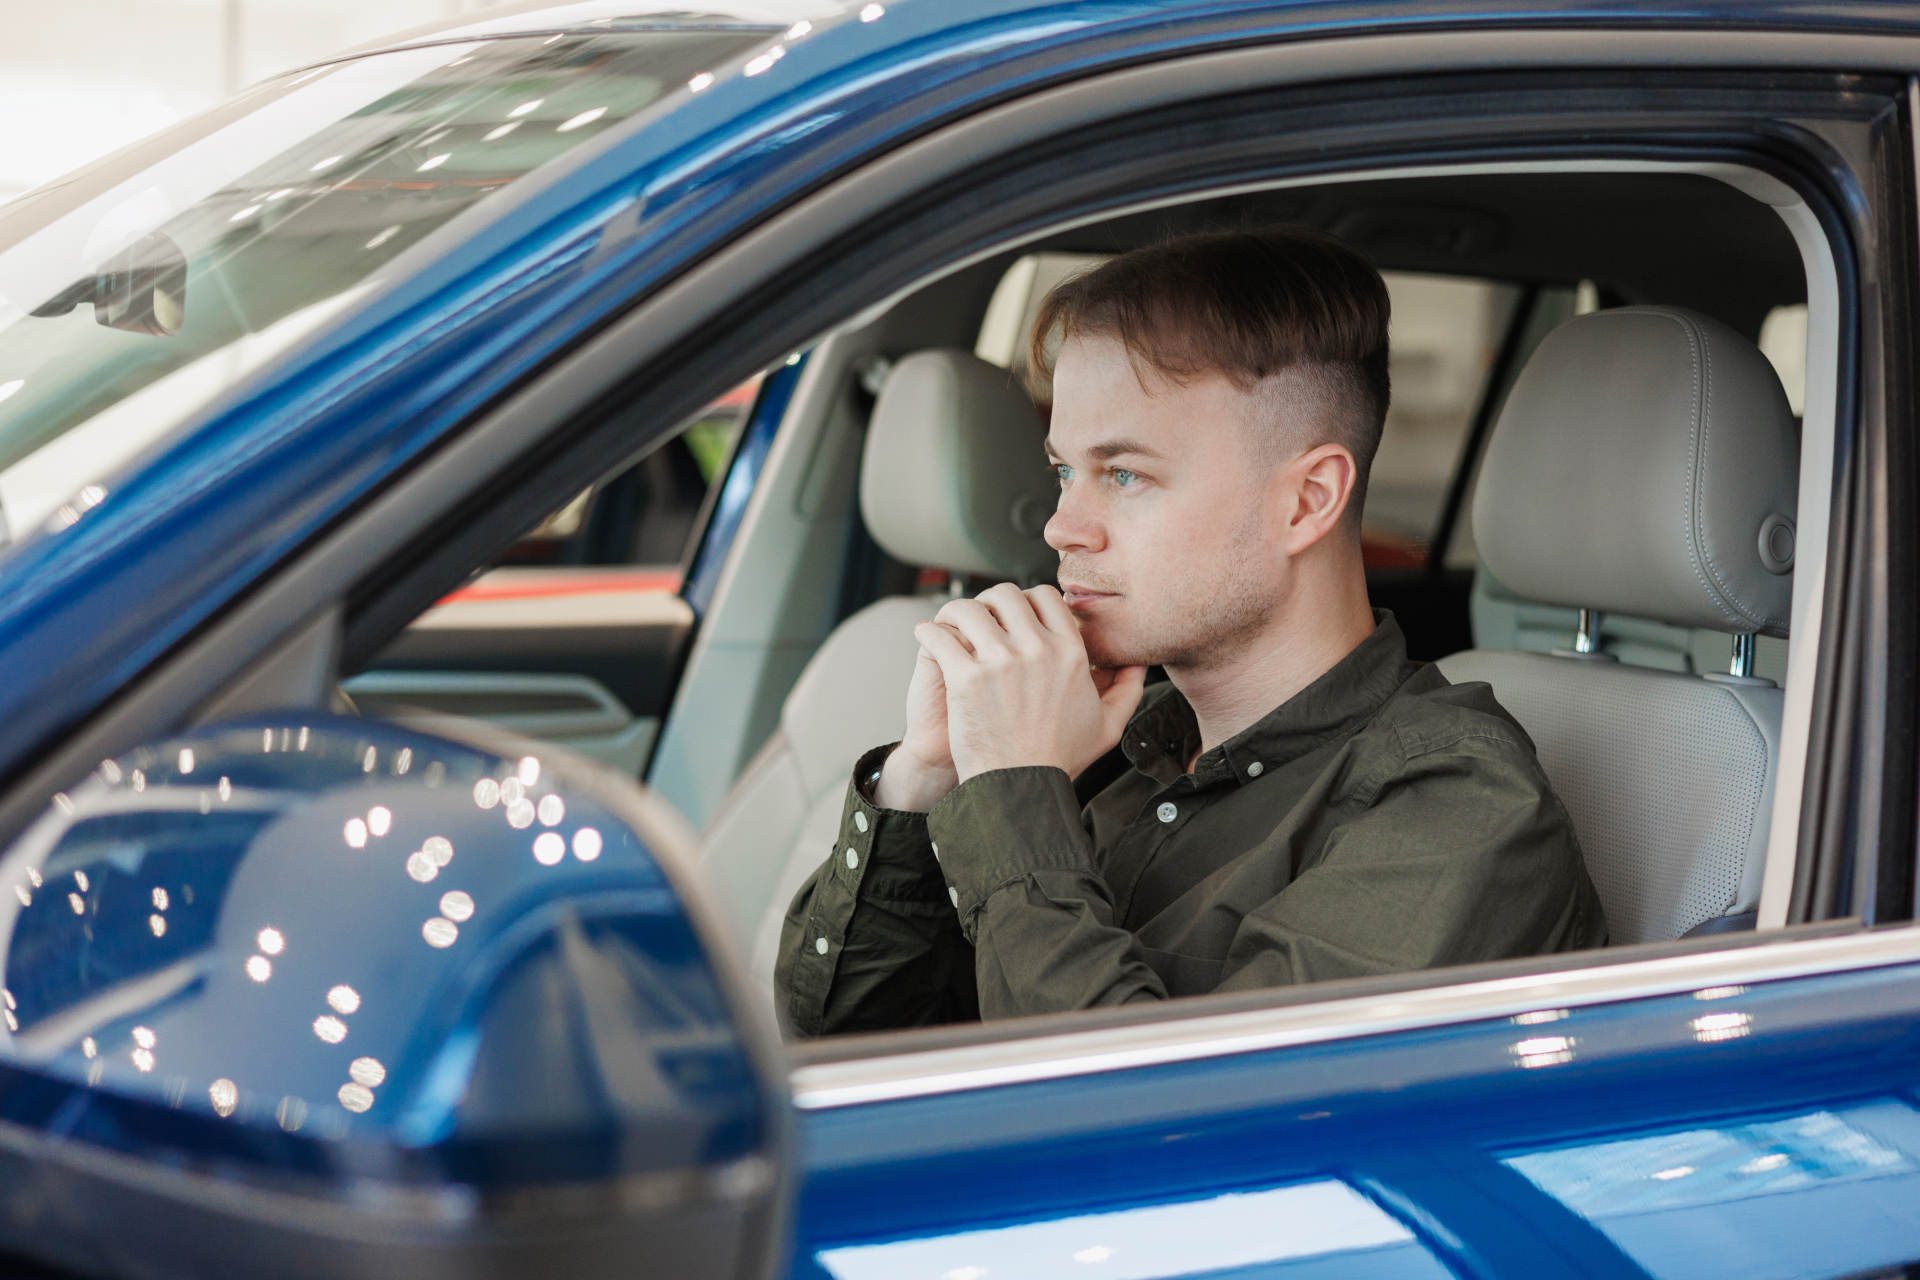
pixel 1003 681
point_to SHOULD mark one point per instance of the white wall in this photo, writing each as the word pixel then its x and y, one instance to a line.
pixel 79 78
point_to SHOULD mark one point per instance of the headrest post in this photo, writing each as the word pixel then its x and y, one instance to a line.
pixel 1586 638
pixel 1744 644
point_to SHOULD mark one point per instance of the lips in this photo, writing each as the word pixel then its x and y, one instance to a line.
pixel 1079 597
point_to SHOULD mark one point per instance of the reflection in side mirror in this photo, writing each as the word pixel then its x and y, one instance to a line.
pixel 142 289
pixel 315 995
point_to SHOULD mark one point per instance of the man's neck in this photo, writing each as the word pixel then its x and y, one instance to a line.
pixel 1301 642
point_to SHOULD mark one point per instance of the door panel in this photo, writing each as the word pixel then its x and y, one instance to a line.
pixel 1764 1130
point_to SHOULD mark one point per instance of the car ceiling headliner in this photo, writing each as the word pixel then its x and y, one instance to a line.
pixel 1677 239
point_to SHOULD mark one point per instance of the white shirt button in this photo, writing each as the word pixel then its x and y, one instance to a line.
pixel 1167 811
pixel 859 820
pixel 853 859
pixel 953 895
pixel 1253 771
pixel 820 945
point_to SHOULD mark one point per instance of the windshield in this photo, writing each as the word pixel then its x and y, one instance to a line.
pixel 132 296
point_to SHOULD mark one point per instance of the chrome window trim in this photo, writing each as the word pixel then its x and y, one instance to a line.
pixel 926 1073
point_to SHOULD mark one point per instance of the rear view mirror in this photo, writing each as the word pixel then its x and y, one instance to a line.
pixel 141 289
pixel 323 996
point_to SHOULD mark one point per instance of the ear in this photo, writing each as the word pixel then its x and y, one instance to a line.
pixel 1316 488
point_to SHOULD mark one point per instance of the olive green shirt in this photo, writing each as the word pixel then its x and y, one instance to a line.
pixel 1380 820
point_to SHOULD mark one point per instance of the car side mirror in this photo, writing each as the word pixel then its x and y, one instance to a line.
pixel 319 995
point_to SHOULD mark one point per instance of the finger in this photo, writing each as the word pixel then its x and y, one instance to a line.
pixel 1120 699
pixel 974 621
pixel 1051 608
pixel 942 643
pixel 1009 604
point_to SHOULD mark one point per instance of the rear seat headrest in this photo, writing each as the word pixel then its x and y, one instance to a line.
pixel 1645 463
pixel 955 471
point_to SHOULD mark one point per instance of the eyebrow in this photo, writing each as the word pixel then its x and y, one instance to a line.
pixel 1112 449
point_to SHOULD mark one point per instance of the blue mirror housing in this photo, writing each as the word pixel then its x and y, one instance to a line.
pixel 413 1000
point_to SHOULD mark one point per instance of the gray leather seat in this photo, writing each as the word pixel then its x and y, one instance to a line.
pixel 1645 465
pixel 952 476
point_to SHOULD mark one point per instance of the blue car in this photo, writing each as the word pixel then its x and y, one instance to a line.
pixel 428 672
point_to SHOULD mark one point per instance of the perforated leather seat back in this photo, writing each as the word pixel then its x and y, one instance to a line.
pixel 1645 465
pixel 952 476
pixel 1667 779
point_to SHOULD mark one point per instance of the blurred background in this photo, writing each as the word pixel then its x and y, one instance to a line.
pixel 80 78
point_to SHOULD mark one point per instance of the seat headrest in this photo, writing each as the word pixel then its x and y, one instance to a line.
pixel 1645 463
pixel 955 473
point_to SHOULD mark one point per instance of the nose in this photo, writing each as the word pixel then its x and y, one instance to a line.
pixel 1075 526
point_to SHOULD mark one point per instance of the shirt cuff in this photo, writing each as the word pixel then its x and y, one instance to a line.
pixel 882 854
pixel 1000 827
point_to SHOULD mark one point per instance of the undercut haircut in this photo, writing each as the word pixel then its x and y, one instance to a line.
pixel 1290 314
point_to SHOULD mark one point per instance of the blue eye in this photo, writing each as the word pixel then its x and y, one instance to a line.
pixel 1122 477
pixel 1062 472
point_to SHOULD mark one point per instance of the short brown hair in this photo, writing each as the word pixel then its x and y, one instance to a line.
pixel 1247 305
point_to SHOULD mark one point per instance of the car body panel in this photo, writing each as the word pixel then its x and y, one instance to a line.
pixel 1742 1129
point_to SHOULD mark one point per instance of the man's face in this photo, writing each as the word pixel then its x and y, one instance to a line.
pixel 1167 551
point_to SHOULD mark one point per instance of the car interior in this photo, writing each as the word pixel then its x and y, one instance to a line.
pixel 1600 379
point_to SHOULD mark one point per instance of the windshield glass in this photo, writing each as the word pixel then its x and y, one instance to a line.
pixel 129 302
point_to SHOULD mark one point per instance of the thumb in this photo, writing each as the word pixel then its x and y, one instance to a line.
pixel 1119 698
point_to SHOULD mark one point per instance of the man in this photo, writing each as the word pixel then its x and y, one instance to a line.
pixel 1299 802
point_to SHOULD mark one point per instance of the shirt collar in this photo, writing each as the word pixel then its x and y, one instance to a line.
pixel 1164 732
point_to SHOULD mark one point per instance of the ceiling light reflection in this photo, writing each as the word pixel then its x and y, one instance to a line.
pixel 270 941
pixel 367 1071
pixel 495 134
pixel 579 122
pixel 143 1059
pixel 532 104
pixel 486 793
pixel 8 388
pixel 157 923
pixel 356 833
pixel 1668 1175
pixel 1709 1027
pixel 144 1037
pixel 1543 1051
pixel 520 814
pixel 799 29
pixel 379 820
pixel 330 1028
pixel 586 844
pixel 456 906
pixel 259 968
pixel 549 848
pixel 186 760
pixel 355 1097
pixel 421 867
pixel 551 810
pixel 434 162
pixel 700 82
pixel 439 848
pixel 343 999
pixel 528 770
pixel 440 932
pixel 872 12
pixel 160 899
pixel 225 1096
